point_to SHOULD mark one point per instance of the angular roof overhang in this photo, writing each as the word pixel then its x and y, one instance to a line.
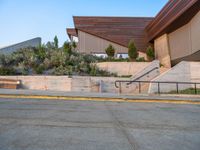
pixel 72 32
pixel 175 14
pixel 119 30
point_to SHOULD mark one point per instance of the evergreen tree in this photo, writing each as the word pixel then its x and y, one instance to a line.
pixel 110 51
pixel 56 41
pixel 132 50
pixel 150 53
pixel 67 48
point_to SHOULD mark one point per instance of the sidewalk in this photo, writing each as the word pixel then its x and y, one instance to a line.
pixel 10 93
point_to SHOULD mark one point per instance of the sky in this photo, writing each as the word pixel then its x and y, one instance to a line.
pixel 21 20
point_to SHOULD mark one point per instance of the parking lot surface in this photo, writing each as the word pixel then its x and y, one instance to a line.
pixel 88 125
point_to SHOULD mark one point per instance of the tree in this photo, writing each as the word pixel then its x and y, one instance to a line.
pixel 50 45
pixel 74 45
pixel 110 51
pixel 150 53
pixel 67 48
pixel 56 41
pixel 132 50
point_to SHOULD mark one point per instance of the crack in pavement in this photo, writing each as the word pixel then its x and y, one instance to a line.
pixel 119 126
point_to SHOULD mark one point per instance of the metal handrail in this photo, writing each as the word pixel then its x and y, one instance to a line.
pixel 131 81
pixel 164 82
pixel 143 75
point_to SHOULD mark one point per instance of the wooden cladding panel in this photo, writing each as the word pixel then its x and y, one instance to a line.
pixel 119 30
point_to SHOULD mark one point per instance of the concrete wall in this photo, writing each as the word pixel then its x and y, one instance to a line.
pixel 95 84
pixel 180 43
pixel 123 68
pixel 91 44
pixel 183 72
pixel 12 48
pixel 134 87
pixel 87 83
pixel 185 41
pixel 64 83
pixel 107 84
pixel 162 50
pixel 195 72
pixel 57 83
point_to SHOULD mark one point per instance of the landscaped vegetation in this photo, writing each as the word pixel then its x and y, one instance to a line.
pixel 110 51
pixel 150 53
pixel 186 91
pixel 132 51
pixel 133 55
pixel 48 59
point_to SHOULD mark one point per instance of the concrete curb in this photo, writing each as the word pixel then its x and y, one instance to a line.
pixel 103 99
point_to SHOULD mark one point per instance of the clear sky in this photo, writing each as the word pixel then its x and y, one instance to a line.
pixel 25 19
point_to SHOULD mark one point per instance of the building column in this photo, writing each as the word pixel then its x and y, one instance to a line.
pixel 162 53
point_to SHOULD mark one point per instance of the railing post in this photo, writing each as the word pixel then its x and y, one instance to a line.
pixel 120 87
pixel 195 87
pixel 177 90
pixel 159 88
pixel 139 87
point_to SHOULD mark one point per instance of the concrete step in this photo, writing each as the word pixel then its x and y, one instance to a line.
pixel 163 69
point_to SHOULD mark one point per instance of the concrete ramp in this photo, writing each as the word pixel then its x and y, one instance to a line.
pixel 182 72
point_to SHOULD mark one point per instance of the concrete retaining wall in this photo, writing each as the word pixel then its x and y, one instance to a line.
pixel 64 83
pixel 57 83
pixel 123 68
pixel 85 83
pixel 95 84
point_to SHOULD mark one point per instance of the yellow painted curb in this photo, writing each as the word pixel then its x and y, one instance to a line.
pixel 76 98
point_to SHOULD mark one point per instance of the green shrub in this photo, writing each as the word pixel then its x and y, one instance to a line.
pixel 150 53
pixel 110 51
pixel 56 42
pixel 6 71
pixel 39 69
pixel 67 48
pixel 46 59
pixel 140 59
pixel 74 45
pixel 132 51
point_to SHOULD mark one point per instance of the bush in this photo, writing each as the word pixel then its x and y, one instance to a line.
pixel 150 53
pixel 49 60
pixel 74 45
pixel 39 69
pixel 110 51
pixel 132 51
pixel 67 48
pixel 140 59
pixel 56 42
pixel 6 71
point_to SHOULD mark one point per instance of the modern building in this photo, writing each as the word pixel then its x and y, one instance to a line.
pixel 29 43
pixel 96 33
pixel 174 33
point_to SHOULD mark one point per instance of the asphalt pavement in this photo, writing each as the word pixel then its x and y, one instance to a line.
pixel 31 124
